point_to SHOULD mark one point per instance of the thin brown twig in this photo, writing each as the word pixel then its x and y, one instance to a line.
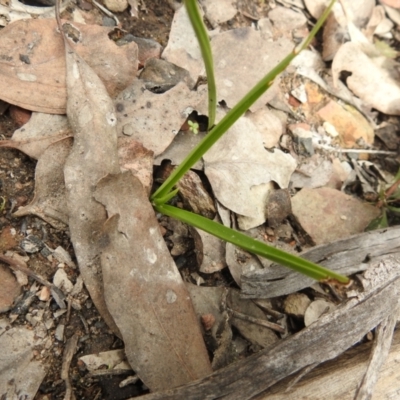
pixel 261 322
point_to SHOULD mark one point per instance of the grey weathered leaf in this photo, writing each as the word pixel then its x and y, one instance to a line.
pixel 91 115
pixel 163 341
pixel 49 202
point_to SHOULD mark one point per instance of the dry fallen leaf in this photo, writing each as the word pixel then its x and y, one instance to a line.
pixel 32 70
pixel 374 79
pixel 241 171
pixel 49 202
pixel 241 58
pixel 92 118
pixel 154 119
pixel 38 133
pixel 162 337
pixel 21 372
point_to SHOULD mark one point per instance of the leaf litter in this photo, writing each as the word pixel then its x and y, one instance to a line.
pixel 113 232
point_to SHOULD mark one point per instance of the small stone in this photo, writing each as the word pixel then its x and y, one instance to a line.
pixel 49 323
pixel 61 281
pixel 40 330
pixel 316 309
pixel 63 256
pixel 59 334
pixel 296 304
pixel 160 75
pixel 148 48
pixel 303 137
pixel 116 5
pixel 31 244
pixel 19 115
pixel 44 294
pixel 107 21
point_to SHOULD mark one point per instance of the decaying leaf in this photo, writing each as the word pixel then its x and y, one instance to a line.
pixel 374 79
pixel 163 341
pixel 241 171
pixel 239 66
pixel 32 71
pixel 183 48
pixel 38 133
pixel 154 119
pixel 92 118
pixel 134 157
pixel 210 251
pixel 21 373
pixel 49 201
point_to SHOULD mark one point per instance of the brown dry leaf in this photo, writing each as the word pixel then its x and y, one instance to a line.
pixel 154 119
pixel 373 78
pixel 145 292
pixel 210 251
pixel 38 133
pixel 32 68
pixel 241 58
pixel 92 118
pixel 49 202
pixel 134 157
pixel 241 172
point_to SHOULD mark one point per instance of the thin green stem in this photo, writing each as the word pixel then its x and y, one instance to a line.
pixel 239 239
pixel 234 114
pixel 204 42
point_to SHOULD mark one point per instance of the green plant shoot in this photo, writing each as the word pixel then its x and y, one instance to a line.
pixel 166 191
pixel 252 245
pixel 238 110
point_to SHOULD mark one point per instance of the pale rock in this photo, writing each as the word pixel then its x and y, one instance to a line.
pixel 316 309
pixel 296 304
pixel 61 281
pixel 116 5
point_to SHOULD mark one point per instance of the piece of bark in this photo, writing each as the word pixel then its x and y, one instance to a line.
pixel 69 352
pixel 339 378
pixel 162 336
pixel 380 351
pixel 345 256
pixel 92 118
pixel 324 340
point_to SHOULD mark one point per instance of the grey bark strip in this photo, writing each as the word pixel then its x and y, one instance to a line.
pixel 345 256
pixel 324 340
pixel 380 351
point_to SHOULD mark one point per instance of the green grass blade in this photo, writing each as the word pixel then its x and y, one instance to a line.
pixel 166 198
pixel 204 42
pixel 252 245
pixel 232 116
